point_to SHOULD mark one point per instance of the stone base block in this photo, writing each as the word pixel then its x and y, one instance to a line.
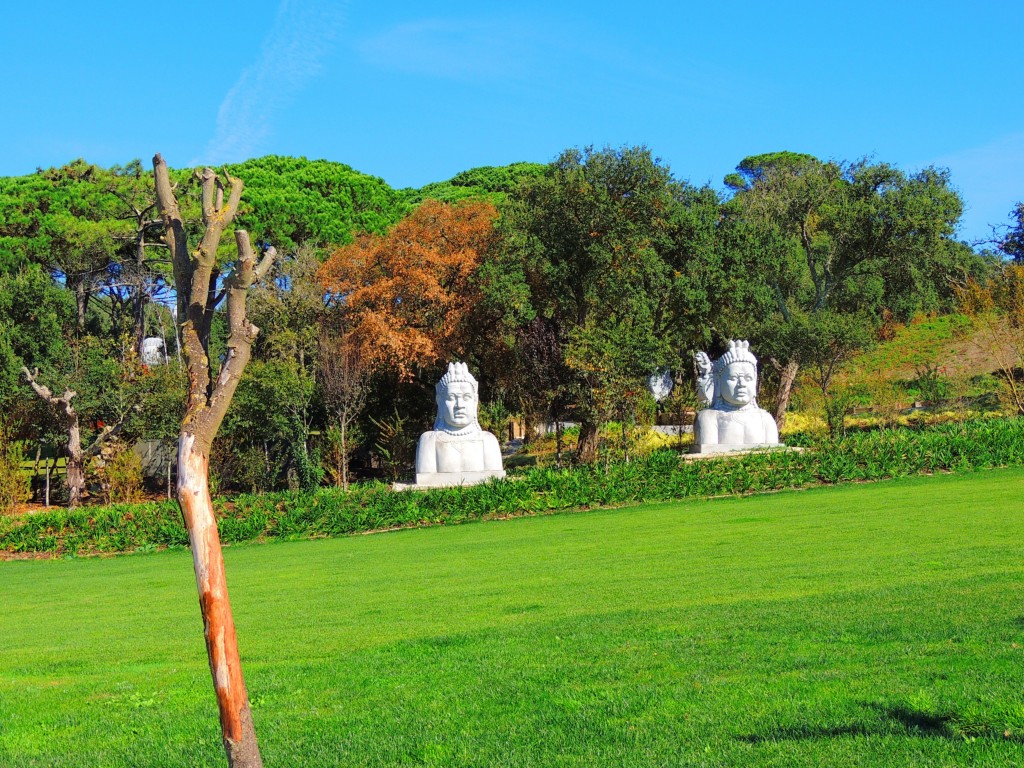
pixel 709 448
pixel 448 479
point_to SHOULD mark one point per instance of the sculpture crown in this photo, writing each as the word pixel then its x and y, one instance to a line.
pixel 456 372
pixel 738 352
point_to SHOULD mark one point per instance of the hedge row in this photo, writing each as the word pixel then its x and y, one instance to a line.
pixel 664 475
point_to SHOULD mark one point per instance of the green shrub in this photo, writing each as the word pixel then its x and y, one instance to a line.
pixel 14 484
pixel 662 476
pixel 120 476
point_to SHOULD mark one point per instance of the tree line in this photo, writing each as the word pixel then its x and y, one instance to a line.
pixel 564 286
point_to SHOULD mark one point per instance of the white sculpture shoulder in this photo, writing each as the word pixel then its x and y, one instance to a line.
pixel 457 451
pixel 733 421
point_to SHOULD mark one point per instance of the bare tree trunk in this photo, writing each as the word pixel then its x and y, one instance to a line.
pixel 237 729
pixel 787 377
pixel 343 378
pixel 76 464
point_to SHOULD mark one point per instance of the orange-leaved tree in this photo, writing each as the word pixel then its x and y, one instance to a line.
pixel 408 295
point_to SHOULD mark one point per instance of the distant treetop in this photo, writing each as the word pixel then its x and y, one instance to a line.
pixel 488 182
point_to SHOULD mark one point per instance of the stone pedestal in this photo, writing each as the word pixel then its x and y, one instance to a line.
pixel 448 479
pixel 710 448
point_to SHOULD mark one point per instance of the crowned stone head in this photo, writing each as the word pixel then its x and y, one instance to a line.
pixel 736 376
pixel 456 398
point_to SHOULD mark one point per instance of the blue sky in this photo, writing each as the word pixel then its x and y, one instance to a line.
pixel 416 92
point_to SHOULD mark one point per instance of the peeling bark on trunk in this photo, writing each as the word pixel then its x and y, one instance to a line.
pixel 237 728
pixel 787 377
pixel 81 303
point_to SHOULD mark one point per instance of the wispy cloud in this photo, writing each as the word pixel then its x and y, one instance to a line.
pixel 454 49
pixel 543 52
pixel 290 55
pixel 988 177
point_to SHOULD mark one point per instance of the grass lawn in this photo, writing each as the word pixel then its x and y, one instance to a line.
pixel 867 625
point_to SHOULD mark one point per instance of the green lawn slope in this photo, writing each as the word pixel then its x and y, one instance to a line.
pixel 862 625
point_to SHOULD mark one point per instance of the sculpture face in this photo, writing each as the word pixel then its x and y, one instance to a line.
pixel 458 406
pixel 738 383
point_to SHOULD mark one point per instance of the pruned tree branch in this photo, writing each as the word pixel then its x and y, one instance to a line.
pixel 174 233
pixel 44 392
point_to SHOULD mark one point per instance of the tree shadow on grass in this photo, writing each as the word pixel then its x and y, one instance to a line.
pixel 917 722
pixel 899 720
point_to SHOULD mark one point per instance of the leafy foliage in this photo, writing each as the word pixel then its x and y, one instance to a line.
pixel 14 483
pixel 1013 243
pixel 592 241
pixel 563 285
pixel 290 201
pixel 493 184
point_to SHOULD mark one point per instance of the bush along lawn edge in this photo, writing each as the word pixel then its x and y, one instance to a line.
pixel 663 476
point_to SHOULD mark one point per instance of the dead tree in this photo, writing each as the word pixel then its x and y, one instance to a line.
pixel 75 477
pixel 196 282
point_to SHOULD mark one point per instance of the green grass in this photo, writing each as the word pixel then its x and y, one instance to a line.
pixel 861 625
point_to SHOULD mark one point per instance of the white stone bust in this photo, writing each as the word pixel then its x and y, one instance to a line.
pixel 733 421
pixel 152 350
pixel 457 451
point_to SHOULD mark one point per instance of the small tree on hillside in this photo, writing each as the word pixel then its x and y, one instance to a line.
pixel 196 281
pixel 998 307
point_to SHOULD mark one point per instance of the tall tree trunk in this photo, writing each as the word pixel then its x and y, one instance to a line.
pixel 76 464
pixel 140 297
pixel 586 448
pixel 82 303
pixel 237 729
pixel 787 377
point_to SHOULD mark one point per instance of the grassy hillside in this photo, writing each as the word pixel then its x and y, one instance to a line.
pixel 945 361
pixel 952 343
pixel 855 626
